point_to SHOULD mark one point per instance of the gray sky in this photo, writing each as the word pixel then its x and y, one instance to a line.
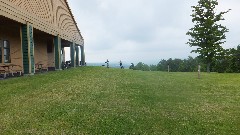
pixel 143 30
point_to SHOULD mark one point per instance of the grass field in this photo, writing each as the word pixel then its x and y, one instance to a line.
pixel 96 100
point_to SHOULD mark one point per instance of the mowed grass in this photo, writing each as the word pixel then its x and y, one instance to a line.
pixel 96 100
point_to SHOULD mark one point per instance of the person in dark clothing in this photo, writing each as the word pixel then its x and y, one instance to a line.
pixel 107 62
pixel 132 66
pixel 121 65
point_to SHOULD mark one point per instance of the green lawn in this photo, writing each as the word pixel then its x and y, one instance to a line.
pixel 96 100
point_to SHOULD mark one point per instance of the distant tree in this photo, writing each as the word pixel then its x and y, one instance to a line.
pixel 191 64
pixel 153 67
pixel 139 66
pixel 162 65
pixel 146 67
pixel 142 66
pixel 178 65
pixel 207 34
pixel 235 59
pixel 230 63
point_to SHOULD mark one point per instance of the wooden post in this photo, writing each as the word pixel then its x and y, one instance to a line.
pixel 168 68
pixel 57 51
pixel 199 71
pixel 27 43
pixel 77 55
pixel 73 54
pixel 82 55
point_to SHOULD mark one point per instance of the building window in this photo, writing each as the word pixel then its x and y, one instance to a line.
pixel 6 48
pixel 0 51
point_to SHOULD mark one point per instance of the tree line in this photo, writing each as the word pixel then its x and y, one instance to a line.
pixel 228 63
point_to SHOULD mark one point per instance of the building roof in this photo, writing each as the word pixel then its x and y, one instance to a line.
pixel 73 18
pixel 51 16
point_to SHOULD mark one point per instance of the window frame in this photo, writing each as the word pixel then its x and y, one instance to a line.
pixel 6 51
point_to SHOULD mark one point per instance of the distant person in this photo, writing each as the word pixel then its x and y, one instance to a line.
pixel 121 65
pixel 63 65
pixel 107 62
pixel 132 66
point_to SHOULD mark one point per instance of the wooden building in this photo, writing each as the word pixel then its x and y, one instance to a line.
pixel 35 32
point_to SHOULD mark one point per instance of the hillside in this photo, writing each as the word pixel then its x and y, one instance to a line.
pixel 97 100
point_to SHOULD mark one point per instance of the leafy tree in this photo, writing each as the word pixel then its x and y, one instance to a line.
pixel 207 34
pixel 178 65
pixel 175 65
pixel 190 64
pixel 153 67
pixel 235 59
pixel 230 63
pixel 142 66
pixel 162 65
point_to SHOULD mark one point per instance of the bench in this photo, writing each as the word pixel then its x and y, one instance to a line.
pixel 18 70
pixel 9 69
pixel 4 73
pixel 40 67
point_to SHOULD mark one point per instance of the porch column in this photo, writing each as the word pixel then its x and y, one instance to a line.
pixel 27 49
pixel 82 56
pixel 77 55
pixel 57 50
pixel 73 54
pixel 63 54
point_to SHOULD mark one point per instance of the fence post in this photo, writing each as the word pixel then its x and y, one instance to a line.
pixel 199 70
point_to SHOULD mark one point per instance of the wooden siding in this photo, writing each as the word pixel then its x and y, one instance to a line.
pixel 41 41
pixel 40 51
pixel 51 16
pixel 12 34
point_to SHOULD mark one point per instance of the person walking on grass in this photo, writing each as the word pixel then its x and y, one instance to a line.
pixel 121 65
pixel 107 62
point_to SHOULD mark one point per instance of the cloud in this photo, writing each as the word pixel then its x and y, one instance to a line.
pixel 142 30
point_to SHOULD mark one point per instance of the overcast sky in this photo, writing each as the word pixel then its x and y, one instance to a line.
pixel 143 30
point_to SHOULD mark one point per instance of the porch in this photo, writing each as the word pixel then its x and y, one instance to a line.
pixel 25 50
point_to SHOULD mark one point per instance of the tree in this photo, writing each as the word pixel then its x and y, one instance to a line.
pixel 207 35
pixel 153 67
pixel 231 62
pixel 181 65
pixel 190 64
pixel 235 59
pixel 142 66
pixel 162 65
